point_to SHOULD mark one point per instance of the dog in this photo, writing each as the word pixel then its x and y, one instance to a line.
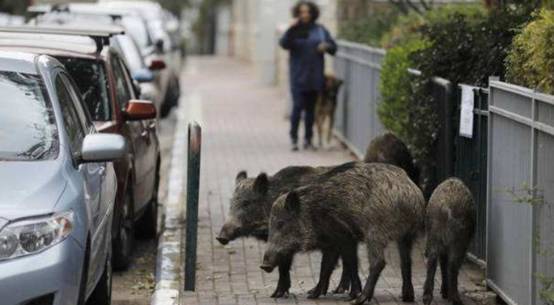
pixel 325 107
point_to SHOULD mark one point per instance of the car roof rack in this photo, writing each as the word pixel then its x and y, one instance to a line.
pixel 43 9
pixel 100 34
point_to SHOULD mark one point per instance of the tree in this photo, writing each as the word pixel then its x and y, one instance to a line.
pixel 14 7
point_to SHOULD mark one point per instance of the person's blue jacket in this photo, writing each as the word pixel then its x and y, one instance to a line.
pixel 306 63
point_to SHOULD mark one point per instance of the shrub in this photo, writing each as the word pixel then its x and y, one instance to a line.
pixel 395 87
pixel 531 59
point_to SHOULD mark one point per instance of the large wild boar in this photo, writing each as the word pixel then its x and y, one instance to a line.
pixel 389 149
pixel 249 216
pixel 370 202
pixel 450 225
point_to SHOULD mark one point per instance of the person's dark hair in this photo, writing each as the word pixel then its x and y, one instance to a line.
pixel 314 9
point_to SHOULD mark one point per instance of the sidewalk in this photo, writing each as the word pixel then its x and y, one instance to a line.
pixel 244 129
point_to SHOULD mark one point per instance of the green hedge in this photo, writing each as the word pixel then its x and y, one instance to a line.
pixel 531 59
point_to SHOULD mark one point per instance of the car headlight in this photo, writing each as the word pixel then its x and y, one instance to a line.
pixel 31 236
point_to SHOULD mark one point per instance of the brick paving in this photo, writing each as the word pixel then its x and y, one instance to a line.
pixel 244 129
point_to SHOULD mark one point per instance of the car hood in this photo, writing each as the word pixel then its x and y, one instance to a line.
pixel 29 188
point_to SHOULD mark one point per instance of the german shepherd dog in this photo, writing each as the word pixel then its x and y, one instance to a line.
pixel 325 107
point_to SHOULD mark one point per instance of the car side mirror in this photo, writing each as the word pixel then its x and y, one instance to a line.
pixel 144 75
pixel 156 65
pixel 138 110
pixel 102 147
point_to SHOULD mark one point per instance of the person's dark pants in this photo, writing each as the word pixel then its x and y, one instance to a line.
pixel 302 102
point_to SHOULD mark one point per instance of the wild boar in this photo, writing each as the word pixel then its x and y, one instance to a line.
pixel 450 225
pixel 249 216
pixel 370 202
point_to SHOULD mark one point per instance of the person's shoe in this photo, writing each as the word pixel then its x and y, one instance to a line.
pixel 309 146
pixel 294 147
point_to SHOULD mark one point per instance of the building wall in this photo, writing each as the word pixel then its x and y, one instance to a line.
pixel 256 28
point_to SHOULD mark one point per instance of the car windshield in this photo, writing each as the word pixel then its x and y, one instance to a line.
pixel 27 126
pixel 90 77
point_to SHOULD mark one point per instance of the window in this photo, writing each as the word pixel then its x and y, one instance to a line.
pixel 90 77
pixel 71 119
pixel 123 92
pixel 28 128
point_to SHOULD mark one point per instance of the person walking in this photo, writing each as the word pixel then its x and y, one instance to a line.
pixel 307 43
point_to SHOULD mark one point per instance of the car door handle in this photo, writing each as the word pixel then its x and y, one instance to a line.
pixel 152 125
pixel 144 133
pixel 102 171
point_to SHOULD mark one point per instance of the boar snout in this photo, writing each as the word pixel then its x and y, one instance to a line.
pixel 269 263
pixel 227 233
pixel 267 268
pixel 222 240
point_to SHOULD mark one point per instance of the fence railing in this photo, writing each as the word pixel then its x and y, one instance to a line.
pixel 520 218
pixel 356 121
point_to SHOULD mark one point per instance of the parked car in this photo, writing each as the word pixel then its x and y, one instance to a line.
pixel 162 44
pixel 58 188
pixel 111 98
pixel 166 83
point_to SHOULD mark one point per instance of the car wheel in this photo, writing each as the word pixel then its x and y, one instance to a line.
pixel 125 239
pixel 148 227
pixel 102 293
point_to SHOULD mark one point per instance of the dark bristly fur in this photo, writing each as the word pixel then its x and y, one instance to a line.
pixel 370 202
pixel 249 215
pixel 389 149
pixel 450 224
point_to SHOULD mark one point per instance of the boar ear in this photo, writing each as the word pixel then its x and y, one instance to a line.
pixel 241 176
pixel 261 184
pixel 292 203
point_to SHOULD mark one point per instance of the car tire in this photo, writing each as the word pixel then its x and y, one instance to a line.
pixel 102 293
pixel 125 236
pixel 148 223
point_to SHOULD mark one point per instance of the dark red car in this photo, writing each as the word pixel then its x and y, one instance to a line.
pixel 111 97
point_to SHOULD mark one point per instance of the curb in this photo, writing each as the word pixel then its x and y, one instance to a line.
pixel 169 260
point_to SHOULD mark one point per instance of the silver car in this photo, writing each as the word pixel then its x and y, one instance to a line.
pixel 57 188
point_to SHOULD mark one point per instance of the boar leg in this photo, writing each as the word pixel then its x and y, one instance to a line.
pixel 444 274
pixel 454 263
pixel 283 284
pixel 328 263
pixel 376 255
pixel 344 283
pixel 405 246
pixel 430 280
pixel 350 267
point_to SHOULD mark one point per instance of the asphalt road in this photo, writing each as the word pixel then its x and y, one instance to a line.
pixel 135 286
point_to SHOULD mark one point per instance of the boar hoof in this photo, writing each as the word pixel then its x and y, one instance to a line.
pixel 342 288
pixel 314 293
pixel 408 296
pixel 279 293
pixel 360 300
pixel 427 299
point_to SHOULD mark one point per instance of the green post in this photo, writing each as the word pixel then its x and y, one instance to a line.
pixel 193 187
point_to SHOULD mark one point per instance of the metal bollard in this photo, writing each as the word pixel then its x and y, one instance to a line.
pixel 193 186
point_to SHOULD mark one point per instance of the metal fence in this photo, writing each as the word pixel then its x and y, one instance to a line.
pixel 520 222
pixel 356 120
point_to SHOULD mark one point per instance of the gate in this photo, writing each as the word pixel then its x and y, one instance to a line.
pixel 471 165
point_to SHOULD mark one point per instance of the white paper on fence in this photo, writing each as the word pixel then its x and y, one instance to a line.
pixel 466 111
